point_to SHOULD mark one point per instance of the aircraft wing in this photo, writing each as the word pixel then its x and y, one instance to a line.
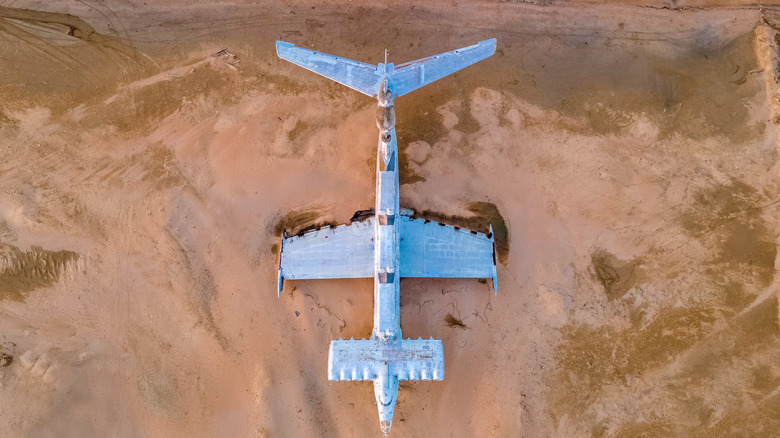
pixel 356 75
pixel 413 75
pixel 346 251
pixel 431 249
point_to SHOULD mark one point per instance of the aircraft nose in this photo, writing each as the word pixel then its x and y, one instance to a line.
pixel 385 425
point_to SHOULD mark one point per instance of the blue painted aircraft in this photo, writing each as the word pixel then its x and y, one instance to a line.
pixel 391 243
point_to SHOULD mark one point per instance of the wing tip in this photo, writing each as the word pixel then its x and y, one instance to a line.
pixel 491 42
pixel 282 46
pixel 280 278
pixel 495 264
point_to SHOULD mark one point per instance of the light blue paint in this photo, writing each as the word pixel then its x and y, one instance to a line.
pixel 391 244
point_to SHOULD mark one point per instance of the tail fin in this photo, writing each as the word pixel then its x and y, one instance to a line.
pixel 367 78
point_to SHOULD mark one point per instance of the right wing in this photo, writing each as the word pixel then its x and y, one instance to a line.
pixel 431 249
pixel 346 251
pixel 356 75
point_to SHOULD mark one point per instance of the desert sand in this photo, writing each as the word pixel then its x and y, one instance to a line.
pixel 629 151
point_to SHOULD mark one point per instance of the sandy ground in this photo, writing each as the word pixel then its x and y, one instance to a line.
pixel 631 152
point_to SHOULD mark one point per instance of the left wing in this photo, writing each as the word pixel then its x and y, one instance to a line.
pixel 346 251
pixel 431 249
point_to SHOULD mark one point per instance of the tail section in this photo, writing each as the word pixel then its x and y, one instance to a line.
pixel 364 78
pixel 402 79
pixel 413 75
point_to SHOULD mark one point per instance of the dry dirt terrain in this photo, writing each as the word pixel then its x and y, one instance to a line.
pixel 625 153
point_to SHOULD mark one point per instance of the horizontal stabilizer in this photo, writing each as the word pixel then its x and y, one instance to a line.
pixel 367 78
pixel 408 359
pixel 356 75
pixel 413 75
